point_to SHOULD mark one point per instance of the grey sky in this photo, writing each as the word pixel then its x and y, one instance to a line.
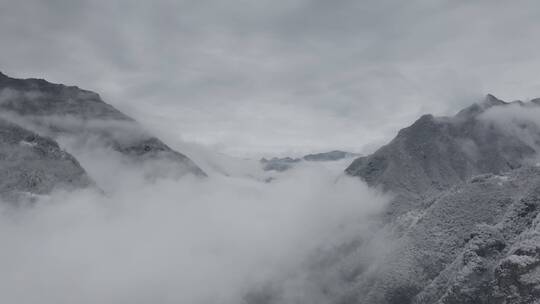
pixel 289 76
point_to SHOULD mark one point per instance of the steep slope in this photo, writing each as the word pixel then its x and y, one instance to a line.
pixel 56 110
pixel 32 164
pixel 464 223
pixel 436 153
pixel 458 249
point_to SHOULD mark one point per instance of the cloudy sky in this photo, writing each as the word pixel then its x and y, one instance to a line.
pixel 252 77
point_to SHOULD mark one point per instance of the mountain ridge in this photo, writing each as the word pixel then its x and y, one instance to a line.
pixel 58 110
pixel 463 225
pixel 435 153
pixel 285 163
pixel 467 196
pixel 47 112
pixel 33 165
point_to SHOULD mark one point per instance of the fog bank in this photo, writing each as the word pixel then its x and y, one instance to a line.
pixel 175 241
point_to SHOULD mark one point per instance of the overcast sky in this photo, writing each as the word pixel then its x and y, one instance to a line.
pixel 278 76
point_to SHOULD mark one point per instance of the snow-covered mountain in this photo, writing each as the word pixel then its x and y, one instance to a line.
pixel 35 114
pixel 32 164
pixel 464 224
pixel 436 153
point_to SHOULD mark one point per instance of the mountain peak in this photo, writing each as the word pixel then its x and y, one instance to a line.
pixel 458 184
pixel 434 154
pixel 36 100
pixel 491 100
pixel 479 107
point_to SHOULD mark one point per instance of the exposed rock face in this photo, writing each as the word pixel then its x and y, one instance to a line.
pixel 57 110
pixel 465 217
pixel 32 164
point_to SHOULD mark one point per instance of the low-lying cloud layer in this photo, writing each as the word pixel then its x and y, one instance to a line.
pixel 210 240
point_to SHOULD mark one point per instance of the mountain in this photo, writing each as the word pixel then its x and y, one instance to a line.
pixel 35 115
pixel 58 111
pixel 463 225
pixel 329 156
pixel 477 243
pixel 286 163
pixel 436 153
pixel 463 222
pixel 279 164
pixel 31 164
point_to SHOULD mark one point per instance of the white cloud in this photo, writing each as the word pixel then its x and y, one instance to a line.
pixel 175 241
pixel 520 122
pixel 253 77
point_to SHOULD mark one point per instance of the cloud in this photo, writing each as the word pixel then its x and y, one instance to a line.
pixel 245 78
pixel 210 240
pixel 520 121
pixel 255 77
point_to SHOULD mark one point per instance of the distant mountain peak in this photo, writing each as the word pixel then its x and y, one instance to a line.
pixel 285 163
pixel 489 101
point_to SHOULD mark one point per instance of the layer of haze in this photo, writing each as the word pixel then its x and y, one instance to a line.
pixel 278 77
pixel 205 241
